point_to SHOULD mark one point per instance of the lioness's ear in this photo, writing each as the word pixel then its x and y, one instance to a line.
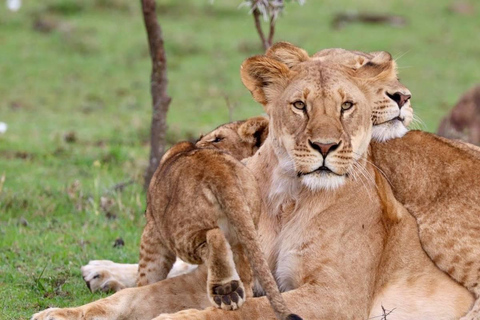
pixel 254 131
pixel 264 77
pixel 379 66
pixel 287 53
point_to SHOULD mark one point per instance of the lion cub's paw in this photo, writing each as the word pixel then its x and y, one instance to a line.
pixel 227 296
pixel 57 314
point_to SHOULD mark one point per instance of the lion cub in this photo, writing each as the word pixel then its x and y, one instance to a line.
pixel 203 206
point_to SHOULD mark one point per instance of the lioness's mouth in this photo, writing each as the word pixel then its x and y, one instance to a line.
pixel 398 118
pixel 321 170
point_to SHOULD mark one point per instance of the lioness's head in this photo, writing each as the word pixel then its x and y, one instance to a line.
pixel 240 138
pixel 320 113
pixel 391 108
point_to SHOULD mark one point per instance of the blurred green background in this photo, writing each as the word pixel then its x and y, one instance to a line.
pixel 74 92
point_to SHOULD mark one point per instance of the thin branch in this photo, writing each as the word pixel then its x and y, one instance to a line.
pixel 159 81
pixel 272 31
pixel 258 26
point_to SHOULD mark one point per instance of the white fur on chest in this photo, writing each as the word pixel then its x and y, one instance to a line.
pixel 288 270
pixel 290 261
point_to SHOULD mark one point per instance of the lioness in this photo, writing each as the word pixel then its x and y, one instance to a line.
pixel 217 229
pixel 335 249
pixel 438 182
pixel 390 122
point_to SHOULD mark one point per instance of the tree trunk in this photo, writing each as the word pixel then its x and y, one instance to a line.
pixel 158 88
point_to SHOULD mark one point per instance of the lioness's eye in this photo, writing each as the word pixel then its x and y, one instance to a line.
pixel 347 105
pixel 300 105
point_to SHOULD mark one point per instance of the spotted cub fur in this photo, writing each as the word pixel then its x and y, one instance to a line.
pixel 202 206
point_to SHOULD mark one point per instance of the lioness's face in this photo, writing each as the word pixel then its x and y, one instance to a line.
pixel 391 109
pixel 320 117
pixel 321 124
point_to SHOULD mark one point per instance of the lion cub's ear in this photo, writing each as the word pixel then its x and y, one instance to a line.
pixel 287 53
pixel 254 131
pixel 380 66
pixel 264 77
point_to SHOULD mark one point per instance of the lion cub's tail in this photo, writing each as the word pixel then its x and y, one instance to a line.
pixel 240 213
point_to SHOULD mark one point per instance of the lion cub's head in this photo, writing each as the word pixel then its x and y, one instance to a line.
pixel 240 138
pixel 320 113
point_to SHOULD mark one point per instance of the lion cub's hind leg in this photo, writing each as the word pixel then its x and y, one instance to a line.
pixel 224 287
pixel 155 259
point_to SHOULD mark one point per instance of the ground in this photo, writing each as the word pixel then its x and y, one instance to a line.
pixel 74 91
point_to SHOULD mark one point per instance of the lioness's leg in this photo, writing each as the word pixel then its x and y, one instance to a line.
pixel 107 275
pixel 155 259
pixel 308 301
pixel 142 303
pixel 225 289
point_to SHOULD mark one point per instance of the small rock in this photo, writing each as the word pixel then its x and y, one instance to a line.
pixel 23 222
pixel 14 5
pixel 118 243
pixel 70 137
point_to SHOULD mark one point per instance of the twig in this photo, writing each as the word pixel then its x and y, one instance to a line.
pixel 258 26
pixel 272 31
pixel 384 314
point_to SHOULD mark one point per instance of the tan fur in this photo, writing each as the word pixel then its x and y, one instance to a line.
pixel 241 139
pixel 337 250
pixel 438 182
pixel 463 121
pixel 201 204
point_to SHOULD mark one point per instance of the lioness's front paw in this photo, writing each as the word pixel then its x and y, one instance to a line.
pixel 108 276
pixel 227 296
pixel 58 314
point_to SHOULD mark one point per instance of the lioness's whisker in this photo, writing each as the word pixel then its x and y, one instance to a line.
pixel 378 168
pixel 418 123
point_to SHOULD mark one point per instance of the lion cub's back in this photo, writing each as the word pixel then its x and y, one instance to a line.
pixel 184 201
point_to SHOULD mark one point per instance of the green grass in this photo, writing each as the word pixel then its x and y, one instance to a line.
pixel 90 76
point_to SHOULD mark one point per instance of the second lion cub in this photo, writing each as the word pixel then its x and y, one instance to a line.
pixel 203 206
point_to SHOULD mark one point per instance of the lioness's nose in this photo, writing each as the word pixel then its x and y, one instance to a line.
pixel 399 98
pixel 324 148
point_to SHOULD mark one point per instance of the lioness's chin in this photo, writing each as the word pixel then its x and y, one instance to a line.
pixel 388 130
pixel 321 181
